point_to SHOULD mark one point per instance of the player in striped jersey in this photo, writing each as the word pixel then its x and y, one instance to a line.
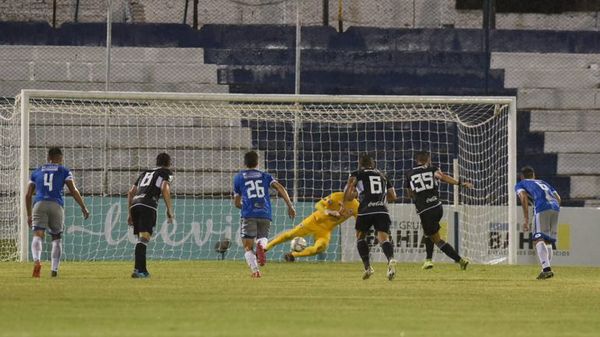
pixel 142 199
pixel 422 186
pixel 374 192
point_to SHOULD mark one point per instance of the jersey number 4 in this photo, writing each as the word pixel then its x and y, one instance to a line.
pixel 255 189
pixel 48 177
pixel 422 181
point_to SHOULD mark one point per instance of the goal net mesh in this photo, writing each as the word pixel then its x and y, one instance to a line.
pixel 309 147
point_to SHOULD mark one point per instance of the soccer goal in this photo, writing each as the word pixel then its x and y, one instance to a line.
pixel 308 142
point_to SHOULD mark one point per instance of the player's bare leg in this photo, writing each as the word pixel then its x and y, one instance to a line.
pixel 140 270
pixel 36 252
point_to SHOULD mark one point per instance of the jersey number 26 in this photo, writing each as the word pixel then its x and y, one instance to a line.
pixel 255 189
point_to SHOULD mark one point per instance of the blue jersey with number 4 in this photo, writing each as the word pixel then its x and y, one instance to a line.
pixel 49 180
pixel 540 194
pixel 253 187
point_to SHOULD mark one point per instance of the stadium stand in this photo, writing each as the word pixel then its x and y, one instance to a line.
pixel 553 72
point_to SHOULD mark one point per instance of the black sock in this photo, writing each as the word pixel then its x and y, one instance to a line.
pixel 140 257
pixel 448 250
pixel 428 247
pixel 547 269
pixel 363 251
pixel 388 249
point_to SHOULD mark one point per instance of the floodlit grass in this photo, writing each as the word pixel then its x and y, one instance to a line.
pixel 218 298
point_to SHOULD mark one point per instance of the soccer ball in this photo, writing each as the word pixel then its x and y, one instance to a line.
pixel 298 244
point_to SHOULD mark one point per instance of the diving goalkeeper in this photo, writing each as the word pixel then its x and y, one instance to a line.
pixel 331 211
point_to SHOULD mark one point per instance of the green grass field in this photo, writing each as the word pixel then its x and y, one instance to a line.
pixel 216 298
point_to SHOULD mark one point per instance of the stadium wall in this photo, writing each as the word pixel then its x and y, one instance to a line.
pixel 193 236
pixel 576 245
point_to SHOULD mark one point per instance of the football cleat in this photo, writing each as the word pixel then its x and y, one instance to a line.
pixel 368 272
pixel 260 255
pixel 289 257
pixel 256 274
pixel 428 264
pixel 140 274
pixel 545 275
pixel 54 273
pixel 37 269
pixel 391 272
pixel 463 264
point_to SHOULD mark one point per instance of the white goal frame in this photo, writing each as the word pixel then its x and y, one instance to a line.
pixel 26 95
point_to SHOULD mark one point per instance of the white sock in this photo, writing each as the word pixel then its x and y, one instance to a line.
pixel 36 248
pixel 251 260
pixel 262 242
pixel 56 252
pixel 543 254
pixel 550 252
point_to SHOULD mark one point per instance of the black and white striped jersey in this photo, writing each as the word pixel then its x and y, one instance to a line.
pixel 149 185
pixel 372 187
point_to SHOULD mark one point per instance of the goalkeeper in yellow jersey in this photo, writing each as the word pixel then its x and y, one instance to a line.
pixel 331 211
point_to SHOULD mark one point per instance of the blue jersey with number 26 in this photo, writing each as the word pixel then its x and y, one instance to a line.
pixel 49 180
pixel 540 193
pixel 253 187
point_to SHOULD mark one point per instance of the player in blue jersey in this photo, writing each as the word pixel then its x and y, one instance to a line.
pixel 546 206
pixel 47 213
pixel 251 195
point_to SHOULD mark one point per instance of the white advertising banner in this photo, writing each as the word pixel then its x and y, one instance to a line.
pixel 577 244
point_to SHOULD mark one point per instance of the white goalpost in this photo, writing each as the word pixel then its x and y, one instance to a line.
pixel 308 142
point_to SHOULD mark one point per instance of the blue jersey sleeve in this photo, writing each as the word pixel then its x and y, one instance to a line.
pixel 519 187
pixel 237 184
pixel 268 179
pixel 67 174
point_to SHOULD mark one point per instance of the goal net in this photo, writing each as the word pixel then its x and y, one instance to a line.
pixel 309 143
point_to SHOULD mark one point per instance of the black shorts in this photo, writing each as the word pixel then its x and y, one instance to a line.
pixel 430 220
pixel 144 219
pixel 380 221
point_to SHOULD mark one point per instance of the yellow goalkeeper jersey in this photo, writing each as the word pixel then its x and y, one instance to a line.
pixel 333 202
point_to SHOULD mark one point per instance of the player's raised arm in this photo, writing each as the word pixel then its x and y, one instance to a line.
pixel 448 179
pixel 286 197
pixel 77 196
pixel 350 189
pixel 391 195
pixel 165 189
